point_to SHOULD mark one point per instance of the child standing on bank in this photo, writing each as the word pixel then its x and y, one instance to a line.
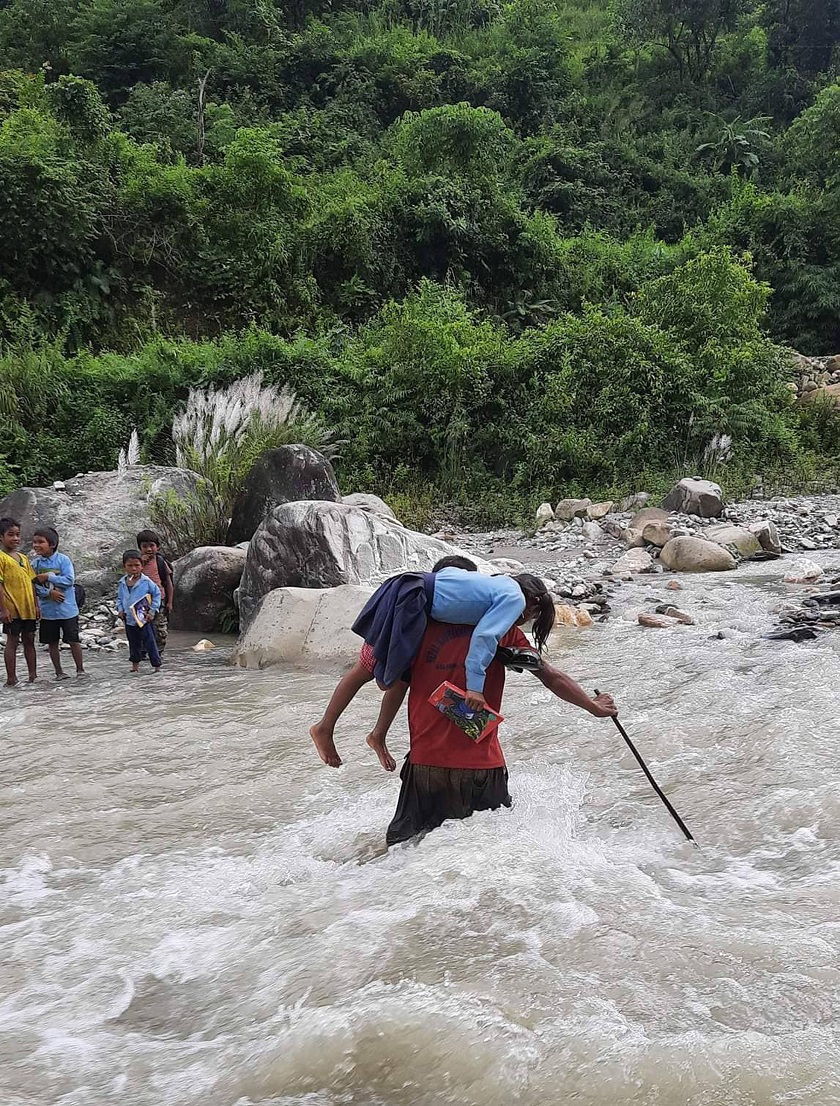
pixel 55 586
pixel 18 604
pixel 157 568
pixel 138 601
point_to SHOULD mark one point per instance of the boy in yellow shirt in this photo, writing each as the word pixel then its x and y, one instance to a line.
pixel 18 605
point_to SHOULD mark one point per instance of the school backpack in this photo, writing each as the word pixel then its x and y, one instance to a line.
pixel 165 572
pixel 81 596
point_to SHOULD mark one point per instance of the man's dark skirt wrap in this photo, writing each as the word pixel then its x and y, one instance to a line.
pixel 430 796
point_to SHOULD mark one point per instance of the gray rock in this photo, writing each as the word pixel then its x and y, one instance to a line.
pixel 648 514
pixel 693 496
pixel 656 533
pixel 97 516
pixel 634 560
pixel 545 513
pixel 302 624
pixel 205 580
pixel 288 474
pixel 592 531
pixel 768 536
pixel 567 509
pixel 696 555
pixel 634 502
pixel 369 502
pixel 743 543
pixel 325 545
pixel 597 511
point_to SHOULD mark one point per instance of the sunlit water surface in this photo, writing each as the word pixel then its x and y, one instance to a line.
pixel 196 911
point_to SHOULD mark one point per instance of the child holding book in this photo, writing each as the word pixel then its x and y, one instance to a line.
pixel 138 600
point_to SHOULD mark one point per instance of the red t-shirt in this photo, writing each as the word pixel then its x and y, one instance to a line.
pixel 436 741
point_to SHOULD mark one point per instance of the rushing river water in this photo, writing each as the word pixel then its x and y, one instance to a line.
pixel 196 911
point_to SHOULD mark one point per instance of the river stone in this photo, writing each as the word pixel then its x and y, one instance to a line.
pixel 634 560
pixel 205 580
pixel 696 555
pixel 567 509
pixel 369 502
pixel 299 624
pixel 592 531
pixel 633 538
pixel 635 501
pixel 97 516
pixel 741 541
pixel 506 565
pixel 287 474
pixel 597 511
pixel 647 515
pixel 693 496
pixel 657 533
pixel 656 621
pixel 545 513
pixel 323 545
pixel 768 536
pixel 803 571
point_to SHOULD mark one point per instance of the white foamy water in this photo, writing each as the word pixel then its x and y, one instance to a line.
pixel 196 911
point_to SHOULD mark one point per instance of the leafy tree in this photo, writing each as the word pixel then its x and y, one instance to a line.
pixel 456 141
pixel 802 34
pixel 689 30
pixel 813 141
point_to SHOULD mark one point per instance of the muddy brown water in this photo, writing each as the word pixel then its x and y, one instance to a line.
pixel 195 911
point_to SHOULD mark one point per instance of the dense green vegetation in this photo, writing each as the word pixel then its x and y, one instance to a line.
pixel 515 248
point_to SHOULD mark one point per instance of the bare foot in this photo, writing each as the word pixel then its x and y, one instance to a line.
pixel 32 679
pixel 325 745
pixel 10 683
pixel 61 676
pixel 381 749
pixel 135 668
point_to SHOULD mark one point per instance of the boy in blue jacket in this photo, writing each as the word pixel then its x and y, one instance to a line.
pixel 55 580
pixel 138 601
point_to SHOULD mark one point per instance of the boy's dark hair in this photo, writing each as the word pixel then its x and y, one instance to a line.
pixel 50 534
pixel 148 535
pixel 456 562
pixel 7 524
pixel 132 555
pixel 537 595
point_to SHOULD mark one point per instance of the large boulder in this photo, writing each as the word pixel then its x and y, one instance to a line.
pixel 647 515
pixel 368 502
pixel 740 541
pixel 205 580
pixel 567 509
pixel 634 560
pixel 696 555
pixel 302 624
pixel 287 474
pixel 97 516
pixel 324 545
pixel 693 496
pixel 768 535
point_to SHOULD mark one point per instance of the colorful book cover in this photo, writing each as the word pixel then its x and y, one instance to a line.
pixel 141 611
pixel 451 701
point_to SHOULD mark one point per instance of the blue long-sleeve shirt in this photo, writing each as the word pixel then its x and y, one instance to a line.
pixel 493 604
pixel 62 578
pixel 128 595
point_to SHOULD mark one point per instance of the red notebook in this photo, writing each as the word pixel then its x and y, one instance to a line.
pixel 476 724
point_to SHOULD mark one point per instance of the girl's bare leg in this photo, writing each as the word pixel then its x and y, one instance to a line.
pixel 10 657
pixel 391 703
pixel 30 656
pixel 344 694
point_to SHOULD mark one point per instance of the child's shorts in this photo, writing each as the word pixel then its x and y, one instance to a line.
pixel 366 659
pixel 53 629
pixel 19 626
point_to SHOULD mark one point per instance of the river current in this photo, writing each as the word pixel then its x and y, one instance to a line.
pixel 196 912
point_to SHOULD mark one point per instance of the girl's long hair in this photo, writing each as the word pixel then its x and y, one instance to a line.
pixel 537 595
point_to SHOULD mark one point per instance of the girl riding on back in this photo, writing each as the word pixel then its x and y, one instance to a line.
pixel 394 621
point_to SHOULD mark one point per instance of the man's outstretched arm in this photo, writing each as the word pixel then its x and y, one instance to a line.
pixel 564 687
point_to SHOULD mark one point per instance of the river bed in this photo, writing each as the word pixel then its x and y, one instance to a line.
pixel 196 911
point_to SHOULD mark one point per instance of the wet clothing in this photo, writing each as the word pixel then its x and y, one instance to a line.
pixel 393 622
pixel 142 642
pixel 16 576
pixel 19 626
pixel 395 617
pixel 63 579
pixel 491 604
pixel 429 796
pixel 446 775
pixel 434 739
pixel 143 591
pixel 54 629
